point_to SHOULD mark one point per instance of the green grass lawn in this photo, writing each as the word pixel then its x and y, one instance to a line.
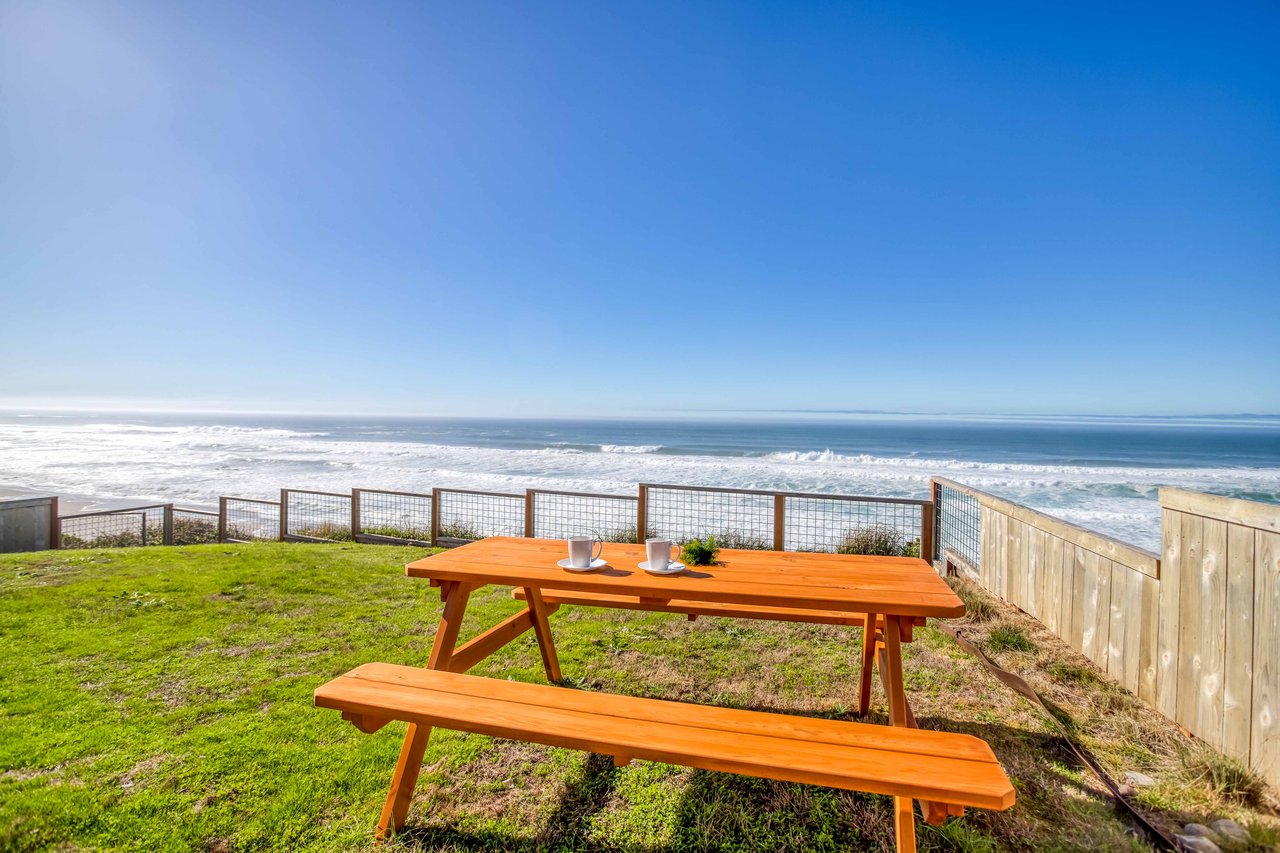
pixel 160 699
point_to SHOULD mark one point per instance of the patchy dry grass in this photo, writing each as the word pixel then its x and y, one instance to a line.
pixel 159 699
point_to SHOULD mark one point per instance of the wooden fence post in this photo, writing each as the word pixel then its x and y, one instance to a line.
pixel 222 519
pixel 642 513
pixel 528 512
pixel 355 515
pixel 926 532
pixel 779 522
pixel 435 517
pixel 168 524
pixel 284 513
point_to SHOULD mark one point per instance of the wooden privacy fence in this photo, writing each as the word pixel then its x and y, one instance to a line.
pixel 1194 631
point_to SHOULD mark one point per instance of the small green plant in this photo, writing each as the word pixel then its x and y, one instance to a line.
pixel 912 548
pixel 876 540
pixel 629 535
pixel 700 552
pixel 327 530
pixel 410 533
pixel 739 540
pixel 459 530
pixel 1009 638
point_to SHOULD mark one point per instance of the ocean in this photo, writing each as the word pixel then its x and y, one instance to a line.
pixel 1099 472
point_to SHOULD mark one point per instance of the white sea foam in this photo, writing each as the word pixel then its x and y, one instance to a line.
pixel 196 464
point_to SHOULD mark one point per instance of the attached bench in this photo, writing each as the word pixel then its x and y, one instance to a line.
pixel 904 763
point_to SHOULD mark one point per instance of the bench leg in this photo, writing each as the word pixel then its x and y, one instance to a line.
pixel 904 824
pixel 405 779
pixel 868 663
pixel 542 629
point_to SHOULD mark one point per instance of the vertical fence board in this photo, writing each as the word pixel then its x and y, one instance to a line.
pixel 1148 638
pixel 1264 747
pixel 1168 659
pixel 1237 711
pixel 1067 562
pixel 1051 603
pixel 1079 593
pixel 1124 632
pixel 1032 549
pixel 1213 602
pixel 1190 623
pixel 1096 624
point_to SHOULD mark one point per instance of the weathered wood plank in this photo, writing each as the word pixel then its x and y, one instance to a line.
pixel 1096 580
pixel 1148 639
pixel 1051 600
pixel 1213 606
pixel 1191 626
pixel 1033 557
pixel 1067 559
pixel 1238 649
pixel 1231 510
pixel 1079 595
pixel 1167 658
pixel 1126 625
pixel 1264 748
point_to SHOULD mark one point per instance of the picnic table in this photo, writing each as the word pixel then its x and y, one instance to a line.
pixel 888 596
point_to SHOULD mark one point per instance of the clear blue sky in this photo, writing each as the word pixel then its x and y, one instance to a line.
pixel 594 208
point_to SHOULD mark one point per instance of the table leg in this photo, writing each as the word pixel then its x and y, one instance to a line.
pixel 542 630
pixel 892 672
pixel 904 821
pixel 405 779
pixel 868 663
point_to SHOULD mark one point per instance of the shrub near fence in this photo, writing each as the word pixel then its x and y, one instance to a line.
pixel 402 518
pixel 314 516
pixel 248 519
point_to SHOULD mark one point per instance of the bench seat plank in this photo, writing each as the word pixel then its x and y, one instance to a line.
pixel 941 766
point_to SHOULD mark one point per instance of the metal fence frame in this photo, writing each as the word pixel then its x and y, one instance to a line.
pixel 777 527
pixel 224 516
pixel 339 518
pixel 768 519
pixel 166 523
pixel 618 527
pixel 358 508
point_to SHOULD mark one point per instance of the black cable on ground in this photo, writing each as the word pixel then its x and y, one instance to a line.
pixel 1016 683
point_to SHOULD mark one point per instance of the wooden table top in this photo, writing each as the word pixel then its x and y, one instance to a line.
pixel 897 586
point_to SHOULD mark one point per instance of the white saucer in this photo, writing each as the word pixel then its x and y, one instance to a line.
pixel 595 564
pixel 671 568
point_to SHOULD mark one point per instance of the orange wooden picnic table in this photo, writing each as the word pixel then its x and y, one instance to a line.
pixel 886 595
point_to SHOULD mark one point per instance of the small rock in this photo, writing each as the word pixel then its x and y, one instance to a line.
pixel 1138 780
pixel 1197 844
pixel 1201 831
pixel 1126 790
pixel 1231 831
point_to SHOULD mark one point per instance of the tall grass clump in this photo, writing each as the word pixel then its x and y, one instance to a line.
pixel 877 540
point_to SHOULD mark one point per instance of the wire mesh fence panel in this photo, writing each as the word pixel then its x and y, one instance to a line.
pixel 194 527
pixel 959 521
pixel 736 518
pixel 316 515
pixel 402 516
pixel 851 525
pixel 560 514
pixel 474 515
pixel 122 528
pixel 249 519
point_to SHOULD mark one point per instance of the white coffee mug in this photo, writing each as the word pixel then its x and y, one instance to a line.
pixel 660 553
pixel 584 550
